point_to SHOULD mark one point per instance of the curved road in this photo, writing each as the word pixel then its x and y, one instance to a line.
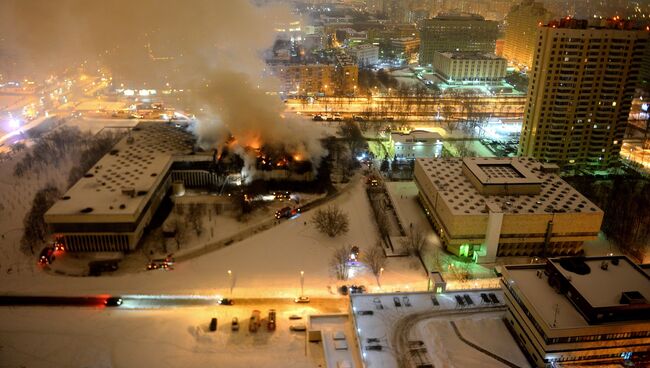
pixel 400 336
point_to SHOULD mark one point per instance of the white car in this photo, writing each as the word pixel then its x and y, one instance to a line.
pixel 300 327
pixel 302 299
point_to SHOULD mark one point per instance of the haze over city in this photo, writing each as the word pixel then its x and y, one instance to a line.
pixel 319 183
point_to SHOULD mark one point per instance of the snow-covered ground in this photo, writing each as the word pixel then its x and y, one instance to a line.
pixel 480 324
pixel 486 330
pixel 267 264
pixel 104 337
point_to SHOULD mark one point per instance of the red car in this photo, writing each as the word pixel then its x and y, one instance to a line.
pixel 46 257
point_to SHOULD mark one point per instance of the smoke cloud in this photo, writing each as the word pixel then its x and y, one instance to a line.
pixel 211 47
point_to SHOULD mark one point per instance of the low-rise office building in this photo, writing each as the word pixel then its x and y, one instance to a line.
pixel 404 47
pixel 469 66
pixel 577 310
pixel 365 55
pixel 109 208
pixel 489 207
pixel 416 144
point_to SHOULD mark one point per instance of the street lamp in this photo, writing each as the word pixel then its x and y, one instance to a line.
pixel 230 281
pixel 302 283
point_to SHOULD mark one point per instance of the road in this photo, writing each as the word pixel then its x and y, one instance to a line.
pixel 136 302
pixel 402 331
pixel 512 107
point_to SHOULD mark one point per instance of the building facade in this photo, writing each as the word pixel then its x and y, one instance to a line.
pixel 577 310
pixel 521 31
pixel 489 207
pixel 109 208
pixel 580 91
pixel 456 32
pixel 469 66
pixel 365 55
pixel 416 144
pixel 404 47
pixel 334 77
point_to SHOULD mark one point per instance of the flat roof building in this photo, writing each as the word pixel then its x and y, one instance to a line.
pixel 579 310
pixel 109 208
pixel 416 144
pixel 488 207
pixel 365 55
pixel 456 32
pixel 469 66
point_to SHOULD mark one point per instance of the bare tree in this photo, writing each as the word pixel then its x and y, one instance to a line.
pixel 339 262
pixel 450 121
pixel 35 228
pixel 195 218
pixel 180 232
pixel 331 221
pixel 383 223
pixel 415 242
pixel 375 260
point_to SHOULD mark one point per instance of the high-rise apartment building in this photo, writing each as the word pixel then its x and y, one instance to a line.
pixel 456 32
pixel 521 29
pixel 581 86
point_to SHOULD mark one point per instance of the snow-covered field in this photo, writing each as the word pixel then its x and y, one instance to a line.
pixel 267 264
pixel 102 337
pixel 486 330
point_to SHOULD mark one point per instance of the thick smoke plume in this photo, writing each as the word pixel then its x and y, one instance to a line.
pixel 212 48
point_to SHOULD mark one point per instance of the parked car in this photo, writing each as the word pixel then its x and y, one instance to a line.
pixel 213 324
pixel 302 299
pixel 287 212
pixel 114 301
pixel 254 322
pixel 234 326
pixel 373 347
pixel 47 256
pixel 294 317
pixel 300 327
pixel 357 289
pixel 226 301
pixel 317 118
pixel 270 322
pixel 406 301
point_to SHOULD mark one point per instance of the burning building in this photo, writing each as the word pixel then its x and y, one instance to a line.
pixel 112 205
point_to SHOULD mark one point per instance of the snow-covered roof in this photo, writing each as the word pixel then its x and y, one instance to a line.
pixel 603 286
pixel 459 183
pixel 599 288
pixel 120 184
pixel 377 316
pixel 415 136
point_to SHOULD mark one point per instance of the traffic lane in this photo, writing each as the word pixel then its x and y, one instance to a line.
pixel 152 302
pixel 170 301
pixel 79 301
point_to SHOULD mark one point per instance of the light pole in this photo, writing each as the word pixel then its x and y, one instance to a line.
pixel 302 283
pixel 381 272
pixel 230 283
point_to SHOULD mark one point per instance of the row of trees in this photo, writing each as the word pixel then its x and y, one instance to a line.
pixel 626 203
pixel 36 232
pixel 53 150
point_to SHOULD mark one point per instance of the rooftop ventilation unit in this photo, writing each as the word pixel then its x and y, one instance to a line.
pixel 632 297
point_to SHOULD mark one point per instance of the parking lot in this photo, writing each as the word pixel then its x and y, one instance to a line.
pixel 395 328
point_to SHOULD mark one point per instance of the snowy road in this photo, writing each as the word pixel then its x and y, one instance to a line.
pixel 167 301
